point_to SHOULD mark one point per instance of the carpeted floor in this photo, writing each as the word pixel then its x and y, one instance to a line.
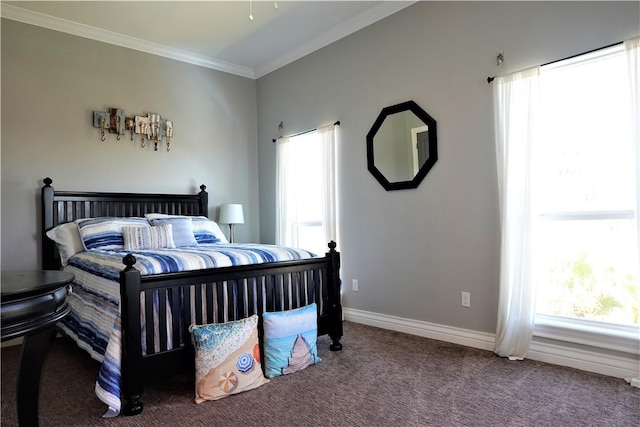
pixel 380 378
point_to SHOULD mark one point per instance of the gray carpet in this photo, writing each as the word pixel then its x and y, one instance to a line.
pixel 380 378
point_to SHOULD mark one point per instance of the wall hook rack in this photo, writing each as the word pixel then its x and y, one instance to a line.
pixel 151 127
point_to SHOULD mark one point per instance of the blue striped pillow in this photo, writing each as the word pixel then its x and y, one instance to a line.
pixel 207 231
pixel 106 233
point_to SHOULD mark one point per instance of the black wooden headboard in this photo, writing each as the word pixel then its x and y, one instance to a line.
pixel 59 207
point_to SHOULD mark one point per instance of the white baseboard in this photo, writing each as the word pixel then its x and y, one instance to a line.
pixel 466 337
pixel 586 360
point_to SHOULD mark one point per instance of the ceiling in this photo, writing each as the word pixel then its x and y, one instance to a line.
pixel 215 34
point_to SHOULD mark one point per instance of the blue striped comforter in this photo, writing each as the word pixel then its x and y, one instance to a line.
pixel 94 321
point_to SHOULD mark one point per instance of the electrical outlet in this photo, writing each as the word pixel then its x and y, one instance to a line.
pixel 465 299
pixel 354 285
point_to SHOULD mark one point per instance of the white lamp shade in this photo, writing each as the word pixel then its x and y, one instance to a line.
pixel 231 214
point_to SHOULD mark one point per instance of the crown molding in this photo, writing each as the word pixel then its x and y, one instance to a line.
pixel 81 30
pixel 338 32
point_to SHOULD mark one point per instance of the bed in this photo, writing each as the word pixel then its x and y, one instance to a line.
pixel 139 328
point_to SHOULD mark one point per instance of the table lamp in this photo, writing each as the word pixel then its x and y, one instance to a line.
pixel 231 214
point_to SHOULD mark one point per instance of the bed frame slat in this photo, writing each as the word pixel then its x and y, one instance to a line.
pixel 148 312
pixel 198 304
pixel 161 303
pixel 241 312
pixel 176 314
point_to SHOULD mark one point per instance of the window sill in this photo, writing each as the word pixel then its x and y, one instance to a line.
pixel 609 336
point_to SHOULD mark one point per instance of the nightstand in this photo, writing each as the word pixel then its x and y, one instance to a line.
pixel 33 301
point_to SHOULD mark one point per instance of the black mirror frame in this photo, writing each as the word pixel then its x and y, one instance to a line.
pixel 433 146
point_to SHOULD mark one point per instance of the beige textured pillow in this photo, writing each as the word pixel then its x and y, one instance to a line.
pixel 141 238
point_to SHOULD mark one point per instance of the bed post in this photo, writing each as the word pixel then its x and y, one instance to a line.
pixel 204 201
pixel 48 247
pixel 335 308
pixel 132 382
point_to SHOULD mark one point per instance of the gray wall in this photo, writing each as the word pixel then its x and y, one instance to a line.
pixel 414 251
pixel 51 84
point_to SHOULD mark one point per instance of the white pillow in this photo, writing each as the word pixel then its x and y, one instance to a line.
pixel 152 216
pixel 67 239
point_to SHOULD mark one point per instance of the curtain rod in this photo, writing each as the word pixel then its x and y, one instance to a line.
pixel 337 123
pixel 492 78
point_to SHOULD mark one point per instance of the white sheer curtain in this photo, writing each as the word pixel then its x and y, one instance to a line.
pixel 632 52
pixel 290 153
pixel 327 135
pixel 516 99
pixel 284 187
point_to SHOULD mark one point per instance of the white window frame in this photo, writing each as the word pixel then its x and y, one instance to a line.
pixel 287 226
pixel 598 334
pixel 610 336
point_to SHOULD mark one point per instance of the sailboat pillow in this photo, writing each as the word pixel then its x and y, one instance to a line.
pixel 290 340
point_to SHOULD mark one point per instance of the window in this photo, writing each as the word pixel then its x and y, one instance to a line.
pixel 568 159
pixel 305 190
pixel 584 193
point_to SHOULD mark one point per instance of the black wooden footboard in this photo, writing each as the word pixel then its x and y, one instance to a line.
pixel 213 296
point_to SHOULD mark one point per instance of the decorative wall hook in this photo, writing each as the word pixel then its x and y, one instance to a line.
pixel 102 125
pixel 130 125
pixel 140 127
pixel 116 122
pixel 169 127
pixel 100 120
pixel 500 58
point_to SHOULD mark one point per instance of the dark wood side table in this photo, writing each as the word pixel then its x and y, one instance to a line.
pixel 33 301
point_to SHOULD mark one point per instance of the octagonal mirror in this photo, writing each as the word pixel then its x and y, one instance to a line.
pixel 402 146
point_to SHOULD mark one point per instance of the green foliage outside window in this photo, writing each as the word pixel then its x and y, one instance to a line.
pixel 581 288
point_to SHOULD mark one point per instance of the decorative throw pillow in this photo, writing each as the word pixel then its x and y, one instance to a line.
pixel 204 230
pixel 227 358
pixel 67 239
pixel 290 340
pixel 182 230
pixel 106 233
pixel 207 231
pixel 141 238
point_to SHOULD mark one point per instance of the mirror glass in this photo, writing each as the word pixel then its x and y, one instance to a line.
pixel 402 146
